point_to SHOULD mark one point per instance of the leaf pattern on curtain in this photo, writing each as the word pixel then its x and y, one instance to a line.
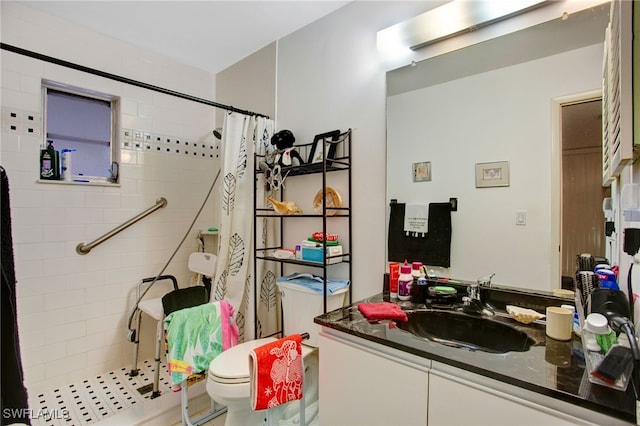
pixel 264 231
pixel 258 328
pixel 236 254
pixel 263 146
pixel 265 220
pixel 242 159
pixel 229 193
pixel 244 304
pixel 264 140
pixel 221 285
pixel 269 290
pixel 241 322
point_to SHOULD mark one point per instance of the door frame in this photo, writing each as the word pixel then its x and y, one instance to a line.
pixel 555 244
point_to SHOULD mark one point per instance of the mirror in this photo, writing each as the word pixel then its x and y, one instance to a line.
pixel 497 101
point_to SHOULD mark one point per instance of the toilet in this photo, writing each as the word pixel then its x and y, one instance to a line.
pixel 228 377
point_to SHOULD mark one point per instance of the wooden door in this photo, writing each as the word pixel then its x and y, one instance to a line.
pixel 582 190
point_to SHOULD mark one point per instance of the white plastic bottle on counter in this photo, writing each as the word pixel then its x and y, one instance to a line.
pixel 405 282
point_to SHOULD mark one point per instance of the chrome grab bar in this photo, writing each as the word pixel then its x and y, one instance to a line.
pixel 83 248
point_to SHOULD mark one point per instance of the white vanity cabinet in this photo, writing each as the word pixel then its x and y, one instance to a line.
pixel 362 383
pixel 458 397
pixel 454 402
pixel 365 383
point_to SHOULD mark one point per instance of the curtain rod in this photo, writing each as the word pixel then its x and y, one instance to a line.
pixel 121 79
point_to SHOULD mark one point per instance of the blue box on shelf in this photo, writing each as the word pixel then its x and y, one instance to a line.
pixel 314 254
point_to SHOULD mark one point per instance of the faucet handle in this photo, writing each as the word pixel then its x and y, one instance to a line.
pixel 486 280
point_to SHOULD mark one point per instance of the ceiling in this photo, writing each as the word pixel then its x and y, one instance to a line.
pixel 211 35
pixel 583 28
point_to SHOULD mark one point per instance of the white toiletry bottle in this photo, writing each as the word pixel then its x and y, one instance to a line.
pixel 405 282
pixel 66 164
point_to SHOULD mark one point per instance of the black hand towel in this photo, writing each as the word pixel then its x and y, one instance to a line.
pixel 434 249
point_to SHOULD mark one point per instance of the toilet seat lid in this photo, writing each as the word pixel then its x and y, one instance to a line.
pixel 232 365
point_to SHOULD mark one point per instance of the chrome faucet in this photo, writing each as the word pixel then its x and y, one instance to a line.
pixel 473 302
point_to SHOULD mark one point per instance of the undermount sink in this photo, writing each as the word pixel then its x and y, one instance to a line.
pixel 475 333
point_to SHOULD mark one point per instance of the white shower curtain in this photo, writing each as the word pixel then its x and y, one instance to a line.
pixel 234 280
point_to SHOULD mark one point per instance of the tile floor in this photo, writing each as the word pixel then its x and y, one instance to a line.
pixel 92 400
pixel 117 399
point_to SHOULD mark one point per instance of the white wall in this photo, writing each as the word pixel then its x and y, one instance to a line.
pixel 330 76
pixel 250 83
pixel 501 115
pixel 72 309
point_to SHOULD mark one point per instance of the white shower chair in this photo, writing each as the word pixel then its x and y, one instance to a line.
pixel 204 264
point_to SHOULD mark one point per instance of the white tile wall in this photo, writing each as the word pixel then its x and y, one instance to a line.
pixel 72 309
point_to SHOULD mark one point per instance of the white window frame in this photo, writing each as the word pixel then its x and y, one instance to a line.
pixel 114 142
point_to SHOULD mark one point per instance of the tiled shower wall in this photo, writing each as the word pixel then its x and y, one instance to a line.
pixel 73 309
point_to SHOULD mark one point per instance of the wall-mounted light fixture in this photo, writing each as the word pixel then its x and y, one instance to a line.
pixel 449 20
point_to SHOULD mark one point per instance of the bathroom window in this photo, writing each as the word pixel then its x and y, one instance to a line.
pixel 85 122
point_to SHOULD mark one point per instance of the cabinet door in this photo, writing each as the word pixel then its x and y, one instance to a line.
pixel 453 403
pixel 358 387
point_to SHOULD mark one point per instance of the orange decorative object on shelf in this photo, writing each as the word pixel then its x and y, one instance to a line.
pixel 333 200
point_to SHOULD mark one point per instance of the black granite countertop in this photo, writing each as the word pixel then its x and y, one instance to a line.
pixel 549 367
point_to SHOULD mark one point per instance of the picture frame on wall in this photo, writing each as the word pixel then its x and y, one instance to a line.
pixel 315 155
pixel 492 174
pixel 422 171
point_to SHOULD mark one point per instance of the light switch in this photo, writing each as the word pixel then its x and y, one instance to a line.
pixel 521 217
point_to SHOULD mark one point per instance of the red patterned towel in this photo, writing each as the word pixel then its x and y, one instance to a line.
pixel 276 372
pixel 382 310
